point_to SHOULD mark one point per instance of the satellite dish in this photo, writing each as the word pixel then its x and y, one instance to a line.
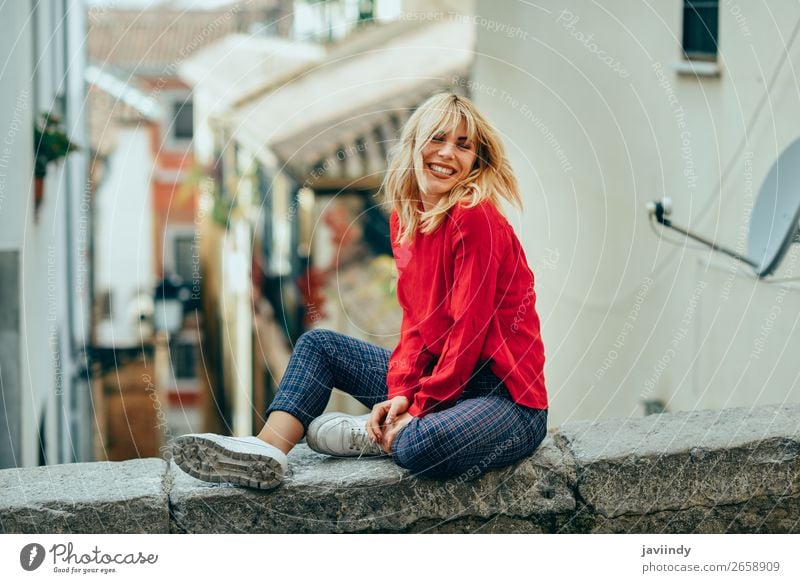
pixel 774 223
pixel 776 215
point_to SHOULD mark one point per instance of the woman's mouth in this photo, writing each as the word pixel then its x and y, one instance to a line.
pixel 441 171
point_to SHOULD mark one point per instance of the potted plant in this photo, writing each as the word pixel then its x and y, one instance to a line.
pixel 50 144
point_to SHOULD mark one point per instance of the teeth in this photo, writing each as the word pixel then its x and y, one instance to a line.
pixel 441 169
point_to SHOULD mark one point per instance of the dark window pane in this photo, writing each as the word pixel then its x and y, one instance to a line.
pixel 185 262
pixel 183 120
pixel 700 28
pixel 184 359
pixel 104 305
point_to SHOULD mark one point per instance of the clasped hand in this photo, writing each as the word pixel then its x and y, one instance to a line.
pixel 386 421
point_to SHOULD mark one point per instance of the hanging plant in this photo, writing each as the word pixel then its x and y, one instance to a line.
pixel 50 144
pixel 207 178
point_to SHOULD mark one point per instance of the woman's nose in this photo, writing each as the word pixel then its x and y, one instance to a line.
pixel 446 149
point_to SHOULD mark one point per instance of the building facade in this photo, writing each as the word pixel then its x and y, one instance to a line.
pixel 45 263
pixel 604 108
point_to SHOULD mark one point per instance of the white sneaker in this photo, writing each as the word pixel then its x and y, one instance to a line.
pixel 245 461
pixel 342 435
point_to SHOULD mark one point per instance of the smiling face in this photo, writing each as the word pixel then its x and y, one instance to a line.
pixel 448 154
pixel 447 159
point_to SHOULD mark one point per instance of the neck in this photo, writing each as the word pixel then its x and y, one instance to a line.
pixel 429 202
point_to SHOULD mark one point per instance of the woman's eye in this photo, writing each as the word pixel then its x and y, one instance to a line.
pixel 440 139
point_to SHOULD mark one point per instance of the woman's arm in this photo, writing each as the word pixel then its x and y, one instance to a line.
pixel 475 246
pixel 407 363
pixel 410 358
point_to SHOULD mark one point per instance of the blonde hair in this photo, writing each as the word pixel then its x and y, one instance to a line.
pixel 491 178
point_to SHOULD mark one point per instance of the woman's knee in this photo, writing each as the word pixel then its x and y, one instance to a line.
pixel 315 336
pixel 319 339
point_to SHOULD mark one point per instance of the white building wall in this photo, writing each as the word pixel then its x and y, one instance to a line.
pixel 124 226
pixel 78 441
pixel 16 109
pixel 597 123
pixel 204 107
pixel 16 171
pixel 42 368
pixel 40 40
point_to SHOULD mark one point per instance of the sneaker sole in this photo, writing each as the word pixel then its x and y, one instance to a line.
pixel 209 461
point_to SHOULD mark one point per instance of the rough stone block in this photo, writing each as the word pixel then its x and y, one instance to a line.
pixel 770 515
pixel 326 494
pixel 678 461
pixel 102 497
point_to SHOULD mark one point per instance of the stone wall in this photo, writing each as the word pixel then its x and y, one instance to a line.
pixel 734 470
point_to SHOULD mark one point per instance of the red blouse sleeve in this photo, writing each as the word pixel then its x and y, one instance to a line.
pixel 475 242
pixel 409 360
pixel 407 363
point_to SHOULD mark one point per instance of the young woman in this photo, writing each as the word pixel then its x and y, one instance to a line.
pixel 464 390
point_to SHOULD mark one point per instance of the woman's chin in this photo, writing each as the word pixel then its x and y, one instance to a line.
pixel 438 187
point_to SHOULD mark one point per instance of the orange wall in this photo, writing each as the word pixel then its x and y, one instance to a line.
pixel 171 206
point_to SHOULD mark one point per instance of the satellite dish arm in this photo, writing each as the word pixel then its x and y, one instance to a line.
pixel 660 209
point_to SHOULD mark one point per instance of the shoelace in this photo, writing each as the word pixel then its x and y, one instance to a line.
pixel 359 439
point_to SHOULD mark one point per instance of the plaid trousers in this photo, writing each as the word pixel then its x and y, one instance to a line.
pixel 484 429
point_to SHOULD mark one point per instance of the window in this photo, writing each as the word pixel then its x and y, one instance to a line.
pixel 700 29
pixel 184 359
pixel 103 304
pixel 366 12
pixel 185 263
pixel 177 119
pixel 182 120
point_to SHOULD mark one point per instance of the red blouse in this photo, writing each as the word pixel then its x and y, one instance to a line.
pixel 467 296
